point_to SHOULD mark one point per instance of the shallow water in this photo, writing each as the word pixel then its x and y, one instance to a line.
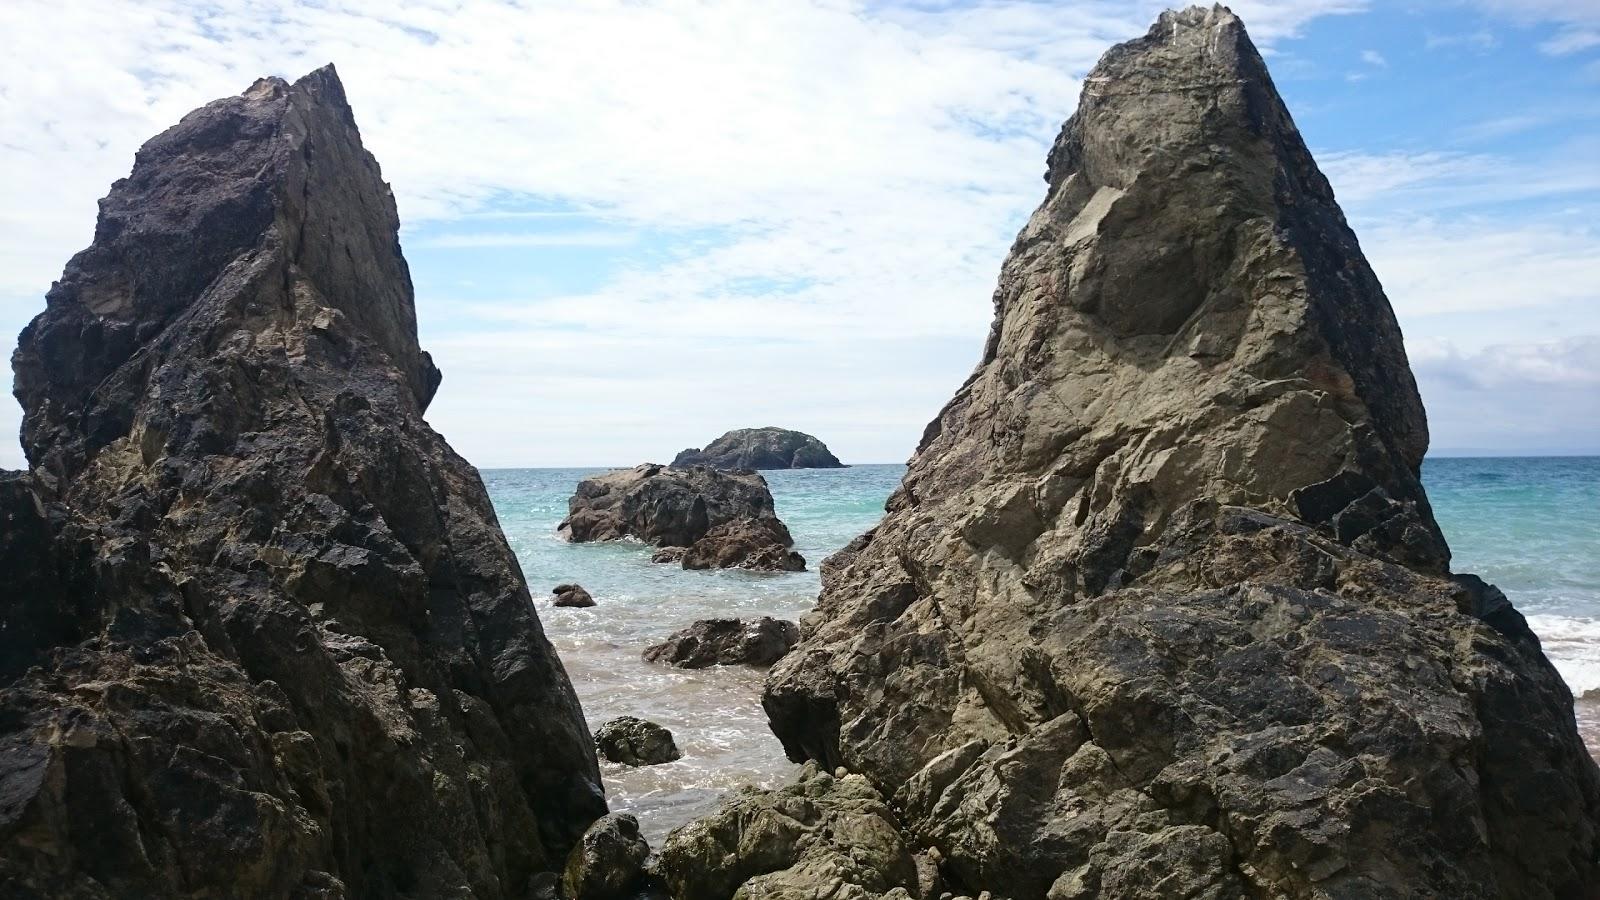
pixel 1532 526
pixel 714 714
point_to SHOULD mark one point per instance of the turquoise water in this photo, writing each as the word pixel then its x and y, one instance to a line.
pixel 1532 526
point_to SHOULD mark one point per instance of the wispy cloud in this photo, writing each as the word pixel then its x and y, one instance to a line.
pixel 1571 40
pixel 1374 58
pixel 1481 40
pixel 526 239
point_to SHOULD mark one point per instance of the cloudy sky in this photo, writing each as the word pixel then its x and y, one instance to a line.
pixel 634 225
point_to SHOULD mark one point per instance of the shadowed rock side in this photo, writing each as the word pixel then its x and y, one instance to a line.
pixel 263 636
pixel 1161 600
pixel 762 448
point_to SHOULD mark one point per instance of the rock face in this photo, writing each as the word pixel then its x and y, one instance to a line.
pixel 1161 598
pixel 263 636
pixel 720 519
pixel 762 448
pixel 820 838
pixel 634 742
pixel 726 642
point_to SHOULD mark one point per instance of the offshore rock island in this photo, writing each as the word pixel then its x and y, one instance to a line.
pixel 761 448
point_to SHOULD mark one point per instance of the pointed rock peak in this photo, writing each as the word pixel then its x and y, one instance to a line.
pixel 240 525
pixel 271 184
pixel 1172 527
pixel 1187 317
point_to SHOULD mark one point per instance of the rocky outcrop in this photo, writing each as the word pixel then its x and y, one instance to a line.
pixel 1161 600
pixel 761 448
pixel 822 837
pixel 608 863
pixel 572 595
pixel 719 519
pixel 262 635
pixel 634 742
pixel 726 642
pixel 760 545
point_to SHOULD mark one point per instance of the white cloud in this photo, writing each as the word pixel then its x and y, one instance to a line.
pixel 1571 40
pixel 525 239
pixel 816 169
pixel 1512 398
pixel 1374 58
pixel 1481 40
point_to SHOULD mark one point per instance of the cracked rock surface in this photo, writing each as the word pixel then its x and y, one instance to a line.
pixel 1160 608
pixel 262 635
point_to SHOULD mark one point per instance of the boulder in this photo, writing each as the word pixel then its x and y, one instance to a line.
pixel 262 636
pixel 761 545
pixel 634 742
pixel 726 642
pixel 609 861
pixel 1160 608
pixel 662 505
pixel 571 595
pixel 700 517
pixel 821 837
pixel 761 448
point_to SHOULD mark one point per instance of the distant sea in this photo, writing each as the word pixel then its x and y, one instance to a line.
pixel 1530 525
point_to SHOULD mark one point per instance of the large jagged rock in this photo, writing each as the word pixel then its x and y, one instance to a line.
pixel 1160 608
pixel 262 635
pixel 761 448
pixel 721 519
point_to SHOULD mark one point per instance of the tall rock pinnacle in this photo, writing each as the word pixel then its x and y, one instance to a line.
pixel 267 638
pixel 1161 599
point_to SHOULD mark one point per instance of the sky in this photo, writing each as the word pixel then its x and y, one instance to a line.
pixel 634 225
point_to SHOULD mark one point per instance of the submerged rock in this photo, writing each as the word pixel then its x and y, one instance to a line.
pixel 634 742
pixel 820 838
pixel 762 448
pixel 702 518
pixel 571 595
pixel 262 635
pixel 726 642
pixel 609 861
pixel 1161 600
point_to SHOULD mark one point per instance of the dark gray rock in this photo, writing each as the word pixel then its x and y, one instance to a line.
pixel 663 505
pixel 1160 608
pixel 262 635
pixel 726 642
pixel 609 861
pixel 762 448
pixel 702 518
pixel 761 545
pixel 634 742
pixel 571 595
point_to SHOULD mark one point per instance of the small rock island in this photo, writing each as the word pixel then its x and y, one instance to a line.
pixel 762 448
pixel 700 517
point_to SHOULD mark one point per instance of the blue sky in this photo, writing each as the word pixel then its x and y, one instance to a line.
pixel 634 225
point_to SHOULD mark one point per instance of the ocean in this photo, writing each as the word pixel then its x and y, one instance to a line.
pixel 1529 525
